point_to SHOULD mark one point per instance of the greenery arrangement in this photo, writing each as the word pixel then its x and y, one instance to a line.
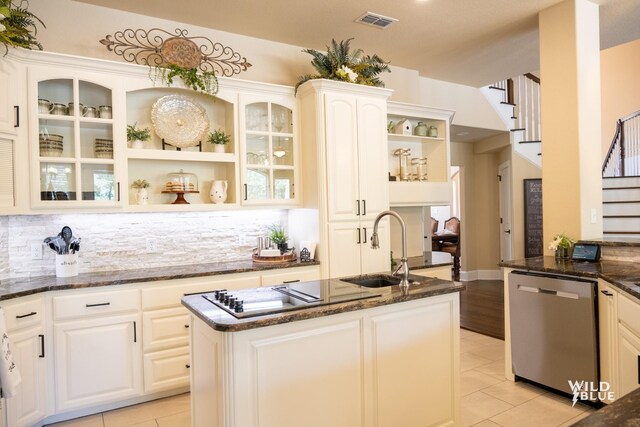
pixel 561 241
pixel 219 137
pixel 201 81
pixel 278 236
pixel 135 134
pixel 18 26
pixel 339 63
pixel 140 183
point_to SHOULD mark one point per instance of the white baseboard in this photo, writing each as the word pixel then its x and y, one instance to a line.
pixel 466 276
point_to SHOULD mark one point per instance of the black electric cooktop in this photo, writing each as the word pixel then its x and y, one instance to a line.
pixel 246 303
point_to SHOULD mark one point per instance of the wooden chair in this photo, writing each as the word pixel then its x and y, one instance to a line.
pixel 453 225
pixel 434 229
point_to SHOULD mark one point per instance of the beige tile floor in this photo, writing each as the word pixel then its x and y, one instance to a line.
pixel 487 398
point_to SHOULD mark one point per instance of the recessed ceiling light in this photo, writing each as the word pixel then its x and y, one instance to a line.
pixel 376 20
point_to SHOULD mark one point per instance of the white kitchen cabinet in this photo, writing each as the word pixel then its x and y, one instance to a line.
pixel 436 189
pixel 608 335
pixel 269 149
pixel 97 336
pixel 167 369
pixel 289 275
pixel 350 251
pixel 345 171
pixel 628 345
pixel 356 161
pixel 71 163
pixel 384 374
pixel 12 114
pixel 26 330
pixel 7 174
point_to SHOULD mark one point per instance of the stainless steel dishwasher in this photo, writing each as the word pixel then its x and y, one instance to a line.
pixel 553 329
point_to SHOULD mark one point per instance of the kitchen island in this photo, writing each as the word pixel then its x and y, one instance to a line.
pixel 362 356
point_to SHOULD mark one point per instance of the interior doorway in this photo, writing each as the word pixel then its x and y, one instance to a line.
pixel 504 193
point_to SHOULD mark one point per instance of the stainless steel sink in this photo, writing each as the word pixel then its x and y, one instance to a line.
pixel 373 280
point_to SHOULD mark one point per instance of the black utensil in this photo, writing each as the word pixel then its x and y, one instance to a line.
pixel 66 234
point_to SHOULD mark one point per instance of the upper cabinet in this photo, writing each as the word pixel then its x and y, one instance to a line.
pixel 74 139
pixel 422 177
pixel 10 93
pixel 269 150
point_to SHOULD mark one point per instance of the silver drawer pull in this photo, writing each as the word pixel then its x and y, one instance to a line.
pixel 98 305
pixel 528 289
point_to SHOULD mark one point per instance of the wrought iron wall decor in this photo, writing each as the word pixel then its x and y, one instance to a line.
pixel 160 48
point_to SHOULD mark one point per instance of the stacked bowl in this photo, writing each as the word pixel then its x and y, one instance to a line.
pixel 103 148
pixel 51 145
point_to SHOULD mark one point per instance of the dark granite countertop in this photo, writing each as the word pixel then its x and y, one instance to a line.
pixel 17 287
pixel 428 260
pixel 221 321
pixel 624 412
pixel 624 275
pixel 614 242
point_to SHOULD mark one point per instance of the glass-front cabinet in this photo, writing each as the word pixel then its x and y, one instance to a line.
pixel 269 150
pixel 72 142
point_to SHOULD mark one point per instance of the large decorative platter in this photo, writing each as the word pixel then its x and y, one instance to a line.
pixel 179 120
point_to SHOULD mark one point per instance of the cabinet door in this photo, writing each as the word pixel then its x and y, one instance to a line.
pixel 375 260
pixel 10 89
pixel 7 175
pixel 345 241
pixel 628 361
pixel 343 199
pixel 166 370
pixel 373 165
pixel 73 148
pixel 97 361
pixel 30 404
pixel 269 150
pixel 607 330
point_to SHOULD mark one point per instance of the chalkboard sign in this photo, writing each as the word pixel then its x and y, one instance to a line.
pixel 533 244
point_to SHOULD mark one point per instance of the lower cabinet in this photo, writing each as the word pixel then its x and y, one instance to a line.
pixel 97 361
pixel 26 330
pixel 166 370
pixel 396 365
pixel 628 360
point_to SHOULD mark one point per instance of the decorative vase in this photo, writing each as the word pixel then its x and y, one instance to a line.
pixel 283 247
pixel 137 144
pixel 142 197
pixel 420 129
pixel 218 148
pixel 562 253
pixel 218 192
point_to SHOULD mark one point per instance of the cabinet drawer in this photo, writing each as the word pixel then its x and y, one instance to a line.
pixel 24 314
pixel 166 370
pixel 290 275
pixel 154 296
pixel 95 303
pixel 629 313
pixel 162 329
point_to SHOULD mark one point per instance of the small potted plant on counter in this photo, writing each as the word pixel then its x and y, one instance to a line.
pixel 141 185
pixel 137 136
pixel 279 238
pixel 561 244
pixel 219 139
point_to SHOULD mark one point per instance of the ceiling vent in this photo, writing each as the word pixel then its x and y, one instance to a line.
pixel 376 20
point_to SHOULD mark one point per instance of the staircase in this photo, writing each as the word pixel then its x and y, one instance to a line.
pixel 519 100
pixel 621 181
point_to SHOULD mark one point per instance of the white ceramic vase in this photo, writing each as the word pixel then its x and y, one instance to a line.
pixel 218 192
pixel 142 197
pixel 137 144
pixel 218 148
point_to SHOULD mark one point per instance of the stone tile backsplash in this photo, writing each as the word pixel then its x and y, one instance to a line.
pixel 119 241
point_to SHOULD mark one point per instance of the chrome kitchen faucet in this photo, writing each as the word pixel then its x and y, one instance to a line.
pixel 375 244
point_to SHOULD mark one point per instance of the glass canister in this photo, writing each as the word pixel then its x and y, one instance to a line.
pixel 420 168
pixel 182 181
pixel 403 170
pixel 105 112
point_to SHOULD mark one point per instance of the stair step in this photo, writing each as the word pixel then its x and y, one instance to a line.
pixel 619 209
pixel 530 142
pixel 507 103
pixel 624 195
pixel 629 223
pixel 621 188
pixel 627 181
pixel 497 88
pixel 622 232
pixel 620 216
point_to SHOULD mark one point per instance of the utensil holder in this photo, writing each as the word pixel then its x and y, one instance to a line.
pixel 66 265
